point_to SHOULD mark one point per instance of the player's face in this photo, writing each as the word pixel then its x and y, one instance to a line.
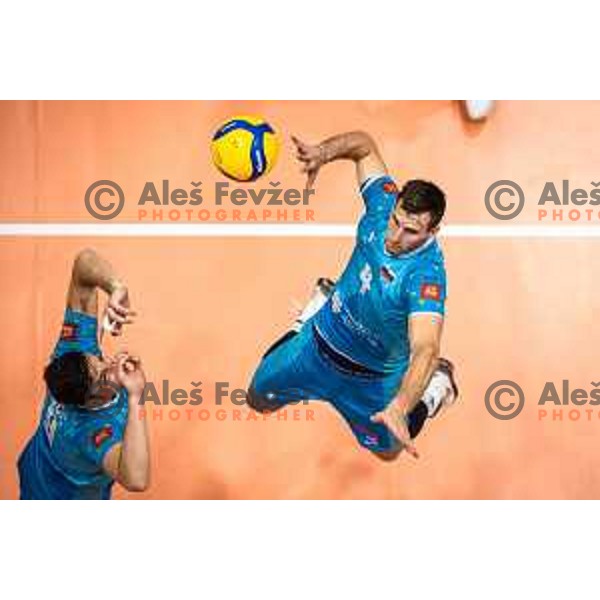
pixel 407 231
pixel 104 369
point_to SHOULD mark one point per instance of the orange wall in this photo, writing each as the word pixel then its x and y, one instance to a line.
pixel 518 309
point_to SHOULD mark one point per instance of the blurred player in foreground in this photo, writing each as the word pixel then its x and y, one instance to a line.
pixel 89 434
pixel 369 344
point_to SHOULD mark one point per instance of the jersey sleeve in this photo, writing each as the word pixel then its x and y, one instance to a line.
pixel 378 192
pixel 426 290
pixel 79 333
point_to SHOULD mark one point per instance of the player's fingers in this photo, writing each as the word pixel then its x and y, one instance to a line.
pixel 310 181
pixel 118 307
pixel 121 364
pixel 124 311
pixel 411 450
pixel 399 433
pixel 377 418
pixel 300 145
pixel 127 321
pixel 113 315
pixel 118 318
pixel 135 361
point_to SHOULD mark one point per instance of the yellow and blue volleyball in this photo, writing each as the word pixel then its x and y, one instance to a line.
pixel 245 148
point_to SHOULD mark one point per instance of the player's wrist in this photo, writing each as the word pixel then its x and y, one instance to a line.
pixel 323 154
pixel 402 405
pixel 114 284
pixel 134 396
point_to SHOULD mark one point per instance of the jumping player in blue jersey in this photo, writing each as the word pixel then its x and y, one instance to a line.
pixel 369 344
pixel 89 434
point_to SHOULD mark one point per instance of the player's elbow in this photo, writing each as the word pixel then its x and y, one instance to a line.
pixel 83 259
pixel 137 480
pixel 137 484
pixel 84 256
pixel 429 351
pixel 364 145
pixel 138 487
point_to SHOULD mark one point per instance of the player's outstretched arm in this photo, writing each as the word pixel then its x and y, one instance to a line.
pixel 425 331
pixel 129 462
pixel 356 146
pixel 90 272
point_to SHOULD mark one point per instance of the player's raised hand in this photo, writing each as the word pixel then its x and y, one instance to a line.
pixel 311 158
pixel 394 418
pixel 130 374
pixel 118 310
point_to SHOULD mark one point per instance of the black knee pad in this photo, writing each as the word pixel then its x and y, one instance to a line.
pixel 416 419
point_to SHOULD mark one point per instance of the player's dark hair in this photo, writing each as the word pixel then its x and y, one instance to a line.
pixel 418 196
pixel 68 378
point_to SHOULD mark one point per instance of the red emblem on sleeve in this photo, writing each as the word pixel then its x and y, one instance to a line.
pixel 389 187
pixel 69 331
pixel 431 291
pixel 102 435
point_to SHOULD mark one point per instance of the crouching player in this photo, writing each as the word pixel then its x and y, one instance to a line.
pixel 370 345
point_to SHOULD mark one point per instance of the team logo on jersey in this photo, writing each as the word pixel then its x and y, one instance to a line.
pixel 366 277
pixel 102 435
pixel 431 291
pixel 389 187
pixel 68 332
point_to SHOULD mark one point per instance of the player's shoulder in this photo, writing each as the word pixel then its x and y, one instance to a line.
pixel 79 333
pixel 381 183
pixel 429 262
pixel 379 194
pixel 435 258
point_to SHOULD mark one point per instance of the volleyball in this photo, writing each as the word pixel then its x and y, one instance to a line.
pixel 244 148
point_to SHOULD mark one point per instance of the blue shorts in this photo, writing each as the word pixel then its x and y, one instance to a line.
pixel 299 370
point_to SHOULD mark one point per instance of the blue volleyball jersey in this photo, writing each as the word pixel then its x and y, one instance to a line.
pixel 366 317
pixel 63 459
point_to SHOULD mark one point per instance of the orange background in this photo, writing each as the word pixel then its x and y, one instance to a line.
pixel 518 309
